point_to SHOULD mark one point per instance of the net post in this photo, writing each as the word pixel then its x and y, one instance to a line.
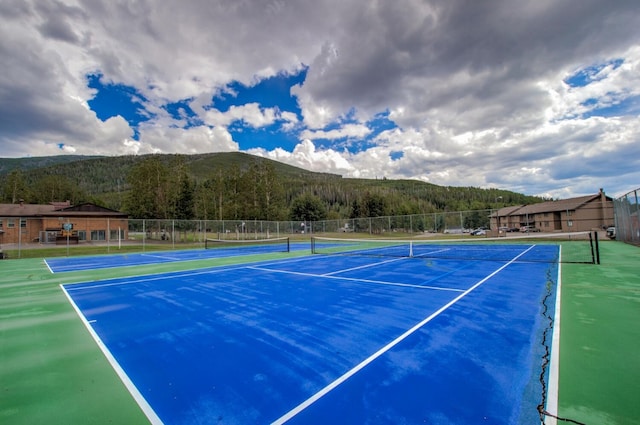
pixel 411 249
pixel 288 245
pixel 593 261
pixel 597 248
pixel 313 244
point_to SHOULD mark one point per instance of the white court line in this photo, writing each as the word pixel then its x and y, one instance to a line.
pixel 363 266
pixel 140 279
pixel 47 264
pixel 554 365
pixel 437 251
pixel 169 275
pixel 308 402
pixel 377 282
pixel 161 257
pixel 83 267
pixel 138 397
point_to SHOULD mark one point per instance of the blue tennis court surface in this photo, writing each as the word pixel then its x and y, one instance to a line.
pixel 328 340
pixel 94 262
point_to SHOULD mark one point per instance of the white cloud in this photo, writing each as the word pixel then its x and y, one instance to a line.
pixel 476 88
pixel 290 120
pixel 305 155
pixel 315 114
pixel 250 113
pixel 348 130
pixel 194 140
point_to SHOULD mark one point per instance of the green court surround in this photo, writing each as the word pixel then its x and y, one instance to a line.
pixel 600 339
pixel 51 370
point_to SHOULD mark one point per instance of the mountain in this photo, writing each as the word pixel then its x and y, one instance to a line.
pixel 103 180
pixel 102 174
pixel 9 164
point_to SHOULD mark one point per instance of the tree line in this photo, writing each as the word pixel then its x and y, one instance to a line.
pixel 237 187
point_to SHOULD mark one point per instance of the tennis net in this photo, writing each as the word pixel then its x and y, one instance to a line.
pixel 576 247
pixel 257 246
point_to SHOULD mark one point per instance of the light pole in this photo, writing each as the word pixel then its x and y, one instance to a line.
pixel 498 214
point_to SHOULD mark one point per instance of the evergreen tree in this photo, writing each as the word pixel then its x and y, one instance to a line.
pixel 56 188
pixel 308 207
pixel 185 202
pixel 376 205
pixel 148 194
pixel 15 188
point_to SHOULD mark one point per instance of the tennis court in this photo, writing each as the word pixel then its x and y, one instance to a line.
pixel 218 249
pixel 333 338
pixel 451 369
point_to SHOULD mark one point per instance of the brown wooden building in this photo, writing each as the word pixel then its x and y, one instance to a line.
pixel 584 213
pixel 60 222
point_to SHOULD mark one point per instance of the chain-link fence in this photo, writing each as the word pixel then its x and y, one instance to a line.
pixel 81 235
pixel 97 235
pixel 626 211
pixel 445 222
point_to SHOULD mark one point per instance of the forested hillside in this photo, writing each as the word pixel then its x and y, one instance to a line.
pixel 229 186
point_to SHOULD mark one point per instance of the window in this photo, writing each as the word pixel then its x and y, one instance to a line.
pixel 23 223
pixel 113 235
pixel 82 235
pixel 0 224
pixel 570 223
pixel 98 235
pixel 11 223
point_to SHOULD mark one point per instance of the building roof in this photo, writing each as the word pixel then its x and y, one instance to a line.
pixel 505 211
pixel 88 209
pixel 570 204
pixel 25 210
pixel 61 209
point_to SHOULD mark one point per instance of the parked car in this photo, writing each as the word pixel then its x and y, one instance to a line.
pixel 528 229
pixel 479 232
pixel 611 232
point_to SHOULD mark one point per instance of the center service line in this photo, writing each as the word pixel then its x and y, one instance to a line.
pixel 353 279
pixel 363 266
pixel 308 402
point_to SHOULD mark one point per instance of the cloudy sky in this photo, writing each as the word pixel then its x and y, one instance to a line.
pixel 540 97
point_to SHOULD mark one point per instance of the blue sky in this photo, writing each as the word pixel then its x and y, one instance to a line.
pixel 538 98
pixel 112 100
